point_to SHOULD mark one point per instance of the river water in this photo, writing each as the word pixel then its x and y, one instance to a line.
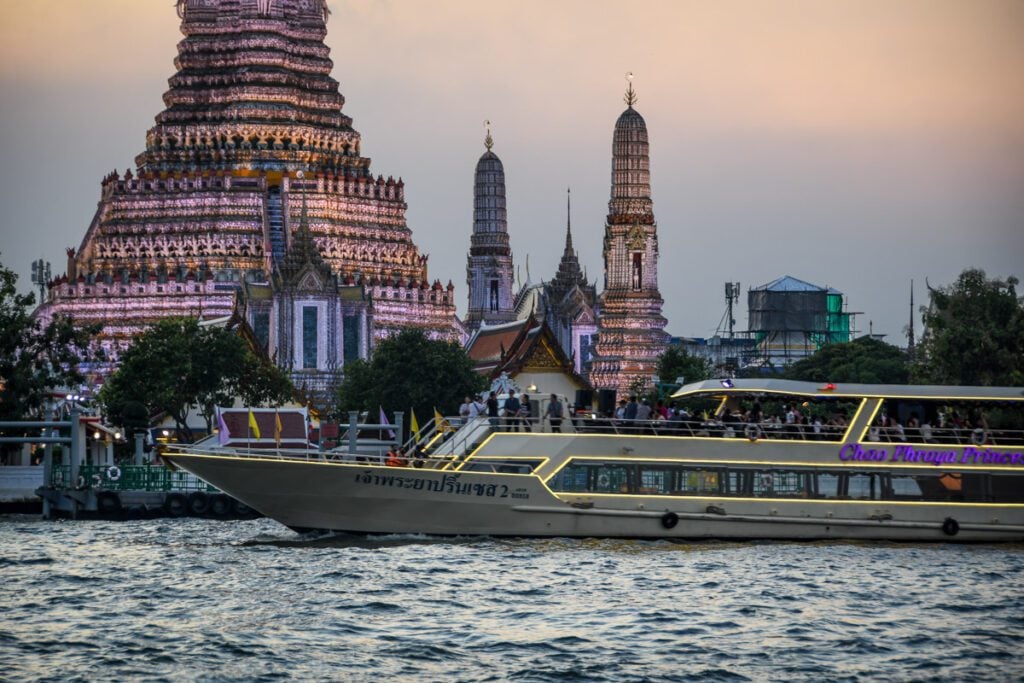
pixel 250 600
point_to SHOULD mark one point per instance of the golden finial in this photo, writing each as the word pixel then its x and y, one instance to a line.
pixel 630 93
pixel 488 141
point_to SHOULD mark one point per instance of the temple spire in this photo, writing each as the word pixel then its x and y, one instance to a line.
pixel 488 141
pixel 630 97
pixel 568 220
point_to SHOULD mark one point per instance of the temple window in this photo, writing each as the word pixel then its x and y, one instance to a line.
pixel 351 337
pixel 309 337
pixel 261 328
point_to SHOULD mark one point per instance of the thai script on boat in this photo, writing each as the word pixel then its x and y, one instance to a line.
pixel 448 484
pixel 903 453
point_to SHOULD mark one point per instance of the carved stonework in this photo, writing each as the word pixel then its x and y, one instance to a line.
pixel 631 329
pixel 252 145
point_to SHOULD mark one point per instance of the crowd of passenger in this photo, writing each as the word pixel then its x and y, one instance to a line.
pixel 749 420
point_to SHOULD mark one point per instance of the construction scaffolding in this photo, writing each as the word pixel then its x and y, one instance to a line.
pixel 790 319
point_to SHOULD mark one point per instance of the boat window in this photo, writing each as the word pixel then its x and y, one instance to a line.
pixel 904 487
pixel 572 478
pixel 656 480
pixel 780 484
pixel 861 486
pixel 678 480
pixel 612 479
pixel 693 482
pixel 736 483
pixel 1007 488
pixel 828 485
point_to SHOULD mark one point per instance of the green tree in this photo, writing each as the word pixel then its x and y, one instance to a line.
pixel 864 360
pixel 407 371
pixel 35 358
pixel 178 364
pixel 676 362
pixel 974 333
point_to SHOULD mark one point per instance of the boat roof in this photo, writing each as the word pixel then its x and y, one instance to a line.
pixel 723 387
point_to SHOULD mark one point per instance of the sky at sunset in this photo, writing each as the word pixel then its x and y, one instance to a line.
pixel 848 143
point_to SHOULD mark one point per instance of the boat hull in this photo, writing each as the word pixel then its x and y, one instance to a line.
pixel 365 499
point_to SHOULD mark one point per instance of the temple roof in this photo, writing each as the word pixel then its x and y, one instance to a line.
pixel 788 283
pixel 518 346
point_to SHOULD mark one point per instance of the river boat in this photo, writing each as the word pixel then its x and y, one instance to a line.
pixel 769 459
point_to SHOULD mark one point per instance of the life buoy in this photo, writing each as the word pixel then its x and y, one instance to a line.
pixel 97 480
pixel 669 520
pixel 80 482
pixel 950 527
pixel 979 436
pixel 766 480
pixel 603 480
pixel 752 432
pixel 113 473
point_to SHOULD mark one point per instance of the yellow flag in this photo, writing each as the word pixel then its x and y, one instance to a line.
pixel 253 427
pixel 414 424
pixel 441 423
pixel 277 428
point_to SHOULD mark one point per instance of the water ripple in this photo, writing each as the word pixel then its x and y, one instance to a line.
pixel 249 600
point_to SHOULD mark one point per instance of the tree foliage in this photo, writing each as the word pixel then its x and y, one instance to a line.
pixel 35 358
pixel 178 364
pixel 676 362
pixel 974 333
pixel 864 360
pixel 407 371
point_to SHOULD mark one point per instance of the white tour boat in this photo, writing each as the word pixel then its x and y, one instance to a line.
pixel 770 459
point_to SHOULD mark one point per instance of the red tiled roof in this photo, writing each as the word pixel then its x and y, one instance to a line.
pixel 487 345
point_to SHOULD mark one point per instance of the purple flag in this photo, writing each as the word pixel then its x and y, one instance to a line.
pixel 222 435
pixel 384 421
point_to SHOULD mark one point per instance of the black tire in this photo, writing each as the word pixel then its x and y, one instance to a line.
pixel 198 504
pixel 950 527
pixel 108 502
pixel 176 505
pixel 241 509
pixel 220 505
pixel 669 520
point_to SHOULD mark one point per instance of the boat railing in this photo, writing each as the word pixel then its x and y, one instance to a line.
pixel 710 429
pixel 126 478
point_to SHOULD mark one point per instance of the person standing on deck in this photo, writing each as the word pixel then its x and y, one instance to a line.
pixel 554 413
pixel 492 409
pixel 512 406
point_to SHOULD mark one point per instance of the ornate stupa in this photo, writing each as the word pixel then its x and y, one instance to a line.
pixel 489 264
pixel 252 131
pixel 631 330
pixel 569 301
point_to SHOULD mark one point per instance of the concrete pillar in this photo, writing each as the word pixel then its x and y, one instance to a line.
pixel 25 457
pixel 109 456
pixel 139 456
pixel 76 450
pixel 353 430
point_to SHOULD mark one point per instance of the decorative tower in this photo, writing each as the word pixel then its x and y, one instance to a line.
pixel 631 330
pixel 489 265
pixel 252 128
pixel 569 301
